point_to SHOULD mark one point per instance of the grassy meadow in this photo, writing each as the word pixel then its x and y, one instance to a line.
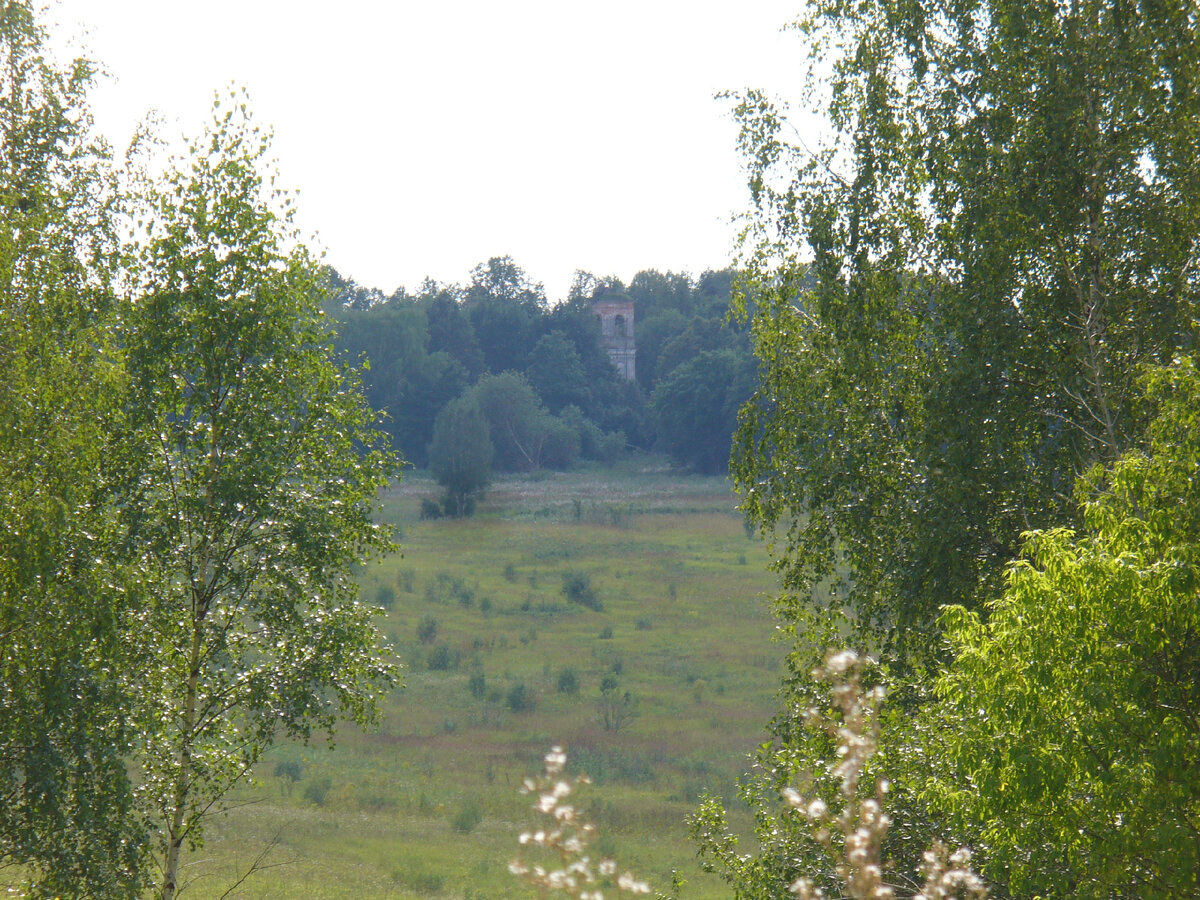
pixel 665 612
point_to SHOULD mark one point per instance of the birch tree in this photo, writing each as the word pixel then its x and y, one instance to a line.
pixel 261 470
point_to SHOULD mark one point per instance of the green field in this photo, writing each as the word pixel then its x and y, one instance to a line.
pixel 427 805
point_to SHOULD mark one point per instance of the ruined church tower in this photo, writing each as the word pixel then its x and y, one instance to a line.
pixel 616 333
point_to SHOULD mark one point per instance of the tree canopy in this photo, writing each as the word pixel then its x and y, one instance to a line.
pixel 1071 717
pixel 959 304
pixel 260 470
pixel 954 298
pixel 188 483
pixel 461 453
pixel 66 802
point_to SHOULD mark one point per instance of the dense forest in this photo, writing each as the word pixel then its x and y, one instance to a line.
pixel 539 371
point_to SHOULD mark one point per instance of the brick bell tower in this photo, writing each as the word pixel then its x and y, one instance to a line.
pixel 616 334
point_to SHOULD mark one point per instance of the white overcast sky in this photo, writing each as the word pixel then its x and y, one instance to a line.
pixel 424 137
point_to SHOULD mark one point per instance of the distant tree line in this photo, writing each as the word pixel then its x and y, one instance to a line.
pixel 496 362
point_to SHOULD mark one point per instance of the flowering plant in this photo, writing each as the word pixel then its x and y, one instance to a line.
pixel 562 843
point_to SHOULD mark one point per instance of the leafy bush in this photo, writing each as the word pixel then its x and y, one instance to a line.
pixel 385 596
pixel 427 629
pixel 568 681
pixel 441 659
pixel 317 790
pixel 477 684
pixel 577 587
pixel 467 818
pixel 519 698
pixel 289 771
pixel 430 509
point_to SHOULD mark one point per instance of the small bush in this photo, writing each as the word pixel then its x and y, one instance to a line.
pixel 427 630
pixel 317 790
pixel 420 881
pixel 477 684
pixel 510 573
pixel 643 624
pixel 430 509
pixel 568 681
pixel 611 447
pixel 606 633
pixel 463 594
pixel 385 596
pixel 289 772
pixel 519 698
pixel 441 659
pixel 467 818
pixel 577 587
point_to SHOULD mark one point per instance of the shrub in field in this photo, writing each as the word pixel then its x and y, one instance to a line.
pixel 568 681
pixel 441 659
pixel 519 698
pixel 616 706
pixel 317 790
pixel 427 629
pixel 289 772
pixel 467 818
pixel 477 684
pixel 577 587
pixel 385 596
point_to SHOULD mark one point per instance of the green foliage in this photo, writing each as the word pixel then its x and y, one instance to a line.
pixel 259 469
pixel 577 587
pixel 66 815
pixel 556 372
pixel 317 790
pixel 427 629
pixel 521 429
pixel 952 299
pixel 504 305
pixel 289 771
pixel 403 379
pixel 519 698
pixel 616 706
pixel 461 454
pixel 385 596
pixel 697 407
pixel 567 681
pixel 441 659
pixel 477 684
pixel 1075 750
pixel 467 818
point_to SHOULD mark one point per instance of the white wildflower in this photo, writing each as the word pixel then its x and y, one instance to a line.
pixel 840 662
